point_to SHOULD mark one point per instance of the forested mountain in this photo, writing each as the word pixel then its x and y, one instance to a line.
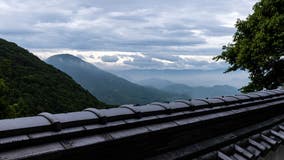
pixel 105 86
pixel 29 86
pixel 190 77
pixel 190 91
pixel 202 91
pixel 156 83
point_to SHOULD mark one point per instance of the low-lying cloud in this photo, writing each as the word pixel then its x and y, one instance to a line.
pixel 109 58
pixel 136 60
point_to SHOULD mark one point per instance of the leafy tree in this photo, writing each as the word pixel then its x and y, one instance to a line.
pixel 258 46
pixel 3 87
pixel 3 91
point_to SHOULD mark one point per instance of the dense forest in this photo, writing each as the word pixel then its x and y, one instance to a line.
pixel 29 86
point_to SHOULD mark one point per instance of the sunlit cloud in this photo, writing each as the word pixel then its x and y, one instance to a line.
pixel 116 60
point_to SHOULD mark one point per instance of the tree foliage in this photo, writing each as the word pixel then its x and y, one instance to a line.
pixel 258 46
pixel 29 86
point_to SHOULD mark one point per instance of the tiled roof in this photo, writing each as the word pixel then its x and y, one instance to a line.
pixel 236 127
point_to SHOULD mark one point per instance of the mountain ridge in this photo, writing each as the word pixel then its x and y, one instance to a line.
pixel 106 86
pixel 29 86
pixel 188 77
pixel 190 91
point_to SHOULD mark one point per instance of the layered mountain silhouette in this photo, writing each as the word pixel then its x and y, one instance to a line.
pixel 190 77
pixel 190 91
pixel 29 86
pixel 107 87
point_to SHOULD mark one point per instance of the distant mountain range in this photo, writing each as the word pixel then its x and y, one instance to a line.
pixel 29 86
pixel 188 77
pixel 189 91
pixel 105 86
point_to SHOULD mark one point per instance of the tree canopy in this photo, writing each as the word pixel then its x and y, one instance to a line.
pixel 258 46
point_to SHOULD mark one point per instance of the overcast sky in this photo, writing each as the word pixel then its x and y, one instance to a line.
pixel 120 34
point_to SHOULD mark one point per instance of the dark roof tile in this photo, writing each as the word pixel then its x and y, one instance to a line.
pixel 29 152
pixel 113 114
pixel 85 141
pixel 53 133
pixel 173 106
pixel 195 103
pixel 12 139
pixel 187 121
pixel 128 132
pixel 228 99
pixel 160 126
pixel 107 125
pixel 23 125
pixel 76 118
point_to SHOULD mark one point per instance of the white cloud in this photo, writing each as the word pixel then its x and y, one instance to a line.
pixel 116 60
pixel 197 58
pixel 165 62
pixel 125 29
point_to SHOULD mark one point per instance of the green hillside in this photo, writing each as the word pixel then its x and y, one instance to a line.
pixel 105 86
pixel 29 86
